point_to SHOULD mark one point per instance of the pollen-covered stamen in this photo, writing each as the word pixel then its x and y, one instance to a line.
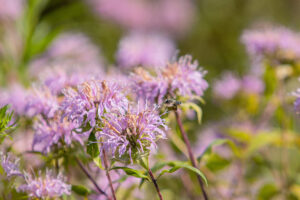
pixel 171 71
pixel 143 74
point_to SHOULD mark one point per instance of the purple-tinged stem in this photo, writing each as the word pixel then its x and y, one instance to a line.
pixel 108 176
pixel 90 178
pixel 190 152
pixel 155 184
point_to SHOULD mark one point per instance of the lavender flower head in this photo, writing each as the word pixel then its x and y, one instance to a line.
pixel 11 9
pixel 131 134
pixel 41 101
pixel 184 78
pixel 52 131
pixel 45 187
pixel 90 100
pixel 297 101
pixel 71 50
pixel 173 16
pixel 227 86
pixel 275 42
pixel 148 50
pixel 16 96
pixel 252 84
pixel 10 165
pixel 58 77
pixel 180 78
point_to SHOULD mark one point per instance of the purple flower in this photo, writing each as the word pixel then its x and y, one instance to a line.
pixel 41 101
pixel 170 15
pixel 252 84
pixel 227 86
pixel 149 50
pixel 71 55
pixel 133 133
pixel 53 130
pixel 148 87
pixel 181 78
pixel 272 42
pixel 10 165
pixel 56 78
pixel 90 100
pixel 45 187
pixel 11 9
pixel 16 96
pixel 184 78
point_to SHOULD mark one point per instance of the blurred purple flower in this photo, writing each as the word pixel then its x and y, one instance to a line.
pixel 57 78
pixel 227 86
pixel 252 84
pixel 41 101
pixel 276 41
pixel 45 187
pixel 11 9
pixel 149 50
pixel 91 100
pixel 182 78
pixel 51 131
pixel 170 15
pixel 131 134
pixel 70 52
pixel 16 96
pixel 10 165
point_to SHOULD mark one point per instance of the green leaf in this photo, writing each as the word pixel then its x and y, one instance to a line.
pixel 270 79
pixel 267 191
pixel 5 122
pixel 261 140
pixel 194 107
pixel 92 146
pixel 132 172
pixel 97 161
pixel 219 142
pixel 215 162
pixel 80 190
pixel 176 165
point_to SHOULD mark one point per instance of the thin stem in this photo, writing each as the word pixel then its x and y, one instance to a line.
pixel 108 176
pixel 90 177
pixel 189 148
pixel 155 184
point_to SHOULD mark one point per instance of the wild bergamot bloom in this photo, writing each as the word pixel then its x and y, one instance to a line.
pixel 90 100
pixel 49 186
pixel 131 134
pixel 180 78
pixel 54 131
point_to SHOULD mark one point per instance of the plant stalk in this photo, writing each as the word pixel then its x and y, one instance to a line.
pixel 155 184
pixel 108 176
pixel 90 177
pixel 190 152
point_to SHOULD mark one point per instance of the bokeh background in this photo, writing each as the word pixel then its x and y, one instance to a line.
pixel 210 31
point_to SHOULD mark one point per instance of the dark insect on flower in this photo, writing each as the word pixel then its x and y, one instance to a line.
pixel 172 103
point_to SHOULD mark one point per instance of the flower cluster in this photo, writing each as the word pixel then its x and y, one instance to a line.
pixel 133 133
pixel 41 101
pixel 49 132
pixel 273 42
pixel 10 165
pixel 45 187
pixel 149 50
pixel 136 14
pixel 229 85
pixel 90 100
pixel 180 78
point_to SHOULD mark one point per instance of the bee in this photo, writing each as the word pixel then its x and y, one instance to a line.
pixel 172 103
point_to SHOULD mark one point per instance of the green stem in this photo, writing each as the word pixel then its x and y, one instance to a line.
pixel 190 152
